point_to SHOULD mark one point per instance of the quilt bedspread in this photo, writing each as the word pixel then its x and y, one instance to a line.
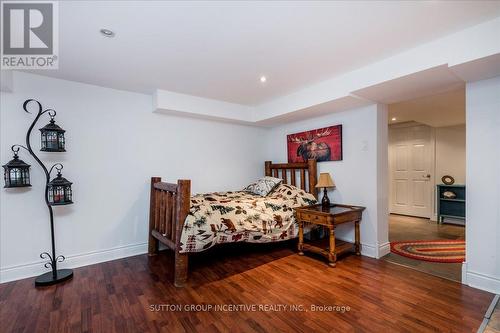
pixel 228 217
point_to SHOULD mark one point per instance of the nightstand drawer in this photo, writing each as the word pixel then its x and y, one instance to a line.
pixel 313 218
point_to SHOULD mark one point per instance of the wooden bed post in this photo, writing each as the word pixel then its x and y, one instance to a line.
pixel 183 205
pixel 312 166
pixel 152 242
pixel 267 165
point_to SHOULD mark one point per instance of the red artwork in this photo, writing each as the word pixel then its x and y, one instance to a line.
pixel 324 144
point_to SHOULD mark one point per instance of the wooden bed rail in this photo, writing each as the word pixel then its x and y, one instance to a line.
pixel 288 171
pixel 169 207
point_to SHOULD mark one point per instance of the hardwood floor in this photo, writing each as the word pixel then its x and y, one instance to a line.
pixel 494 323
pixel 403 228
pixel 408 228
pixel 118 296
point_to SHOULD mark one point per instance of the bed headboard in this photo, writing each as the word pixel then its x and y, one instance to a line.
pixel 289 172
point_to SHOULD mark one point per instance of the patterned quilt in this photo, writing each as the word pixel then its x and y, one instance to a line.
pixel 228 217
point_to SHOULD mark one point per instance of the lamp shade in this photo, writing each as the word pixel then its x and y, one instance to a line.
pixel 325 180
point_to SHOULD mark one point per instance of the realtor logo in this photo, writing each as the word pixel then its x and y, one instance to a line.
pixel 29 35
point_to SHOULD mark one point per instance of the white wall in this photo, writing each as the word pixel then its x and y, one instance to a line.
pixel 450 153
pixel 361 177
pixel 482 267
pixel 449 159
pixel 114 144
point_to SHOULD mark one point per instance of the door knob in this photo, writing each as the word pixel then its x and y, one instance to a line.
pixel 426 176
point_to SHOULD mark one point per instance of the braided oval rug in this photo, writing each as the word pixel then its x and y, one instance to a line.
pixel 445 251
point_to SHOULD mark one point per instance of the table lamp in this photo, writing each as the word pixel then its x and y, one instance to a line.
pixel 325 181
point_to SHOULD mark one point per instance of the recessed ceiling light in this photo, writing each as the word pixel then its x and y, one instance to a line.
pixel 107 33
pixel 393 119
pixel 263 79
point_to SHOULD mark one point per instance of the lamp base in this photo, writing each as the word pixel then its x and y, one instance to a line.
pixel 325 203
pixel 48 279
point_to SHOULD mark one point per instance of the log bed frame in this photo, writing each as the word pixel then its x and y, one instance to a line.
pixel 170 204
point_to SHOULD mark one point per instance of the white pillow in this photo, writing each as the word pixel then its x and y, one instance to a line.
pixel 263 186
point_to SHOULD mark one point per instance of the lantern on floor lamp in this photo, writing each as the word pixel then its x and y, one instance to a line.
pixel 52 136
pixel 57 191
pixel 16 173
pixel 325 181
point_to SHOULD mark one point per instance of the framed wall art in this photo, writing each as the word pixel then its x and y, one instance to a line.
pixel 323 144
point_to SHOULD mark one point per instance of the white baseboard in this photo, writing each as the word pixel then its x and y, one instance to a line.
pixel 464 272
pixel 384 249
pixel 368 250
pixel 483 282
pixel 36 268
pixel 376 252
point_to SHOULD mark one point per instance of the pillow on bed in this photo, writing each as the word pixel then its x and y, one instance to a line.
pixel 263 186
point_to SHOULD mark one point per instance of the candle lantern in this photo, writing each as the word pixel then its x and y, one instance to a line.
pixel 16 172
pixel 52 137
pixel 59 190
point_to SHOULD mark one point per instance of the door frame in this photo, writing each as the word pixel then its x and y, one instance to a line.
pixel 432 161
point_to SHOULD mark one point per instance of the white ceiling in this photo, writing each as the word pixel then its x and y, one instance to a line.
pixel 219 50
pixel 427 82
pixel 336 105
pixel 437 110
pixel 479 69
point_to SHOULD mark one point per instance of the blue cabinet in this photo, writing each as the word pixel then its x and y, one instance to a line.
pixel 450 207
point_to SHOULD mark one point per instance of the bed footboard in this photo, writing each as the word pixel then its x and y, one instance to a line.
pixel 169 207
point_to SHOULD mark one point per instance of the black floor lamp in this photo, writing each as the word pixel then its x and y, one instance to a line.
pixel 57 191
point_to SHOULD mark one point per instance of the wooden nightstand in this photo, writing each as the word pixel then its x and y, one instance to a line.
pixel 329 218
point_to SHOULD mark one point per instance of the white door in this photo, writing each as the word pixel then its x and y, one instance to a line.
pixel 410 161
